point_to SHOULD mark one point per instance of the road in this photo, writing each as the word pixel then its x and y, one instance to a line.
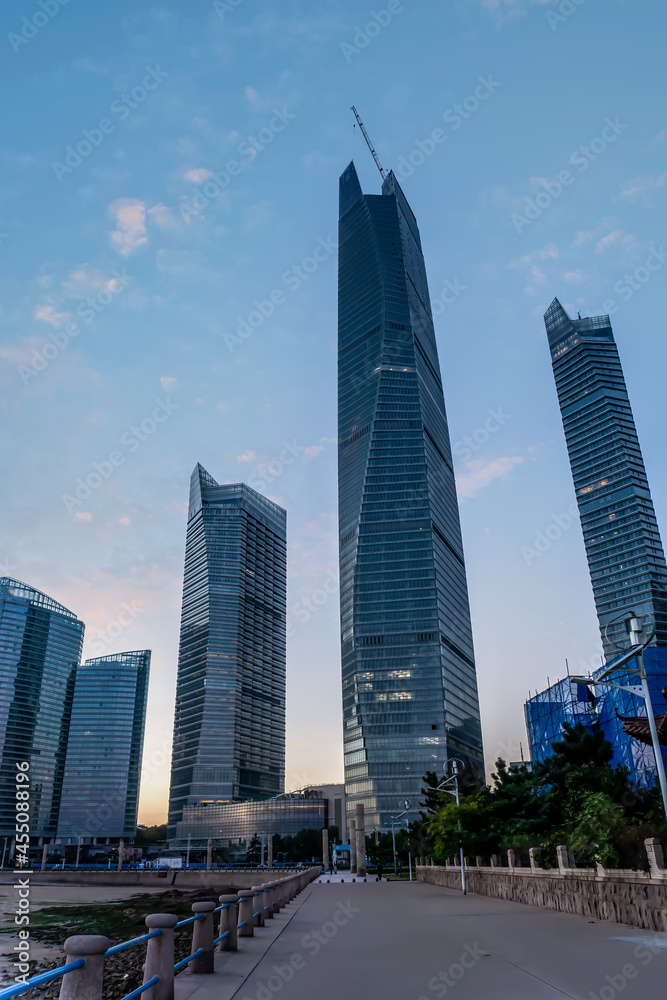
pixel 411 941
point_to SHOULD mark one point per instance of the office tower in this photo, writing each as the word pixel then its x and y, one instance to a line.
pixel 40 648
pixel 408 670
pixel 625 554
pixel 106 738
pixel 229 730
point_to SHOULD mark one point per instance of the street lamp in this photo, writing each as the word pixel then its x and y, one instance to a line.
pixel 408 805
pixel 454 779
pixel 638 644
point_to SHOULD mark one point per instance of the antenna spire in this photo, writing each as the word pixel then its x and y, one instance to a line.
pixel 369 143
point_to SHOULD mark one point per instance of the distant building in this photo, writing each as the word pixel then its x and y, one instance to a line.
pixel 408 665
pixel 233 825
pixel 106 737
pixel 40 648
pixel 229 728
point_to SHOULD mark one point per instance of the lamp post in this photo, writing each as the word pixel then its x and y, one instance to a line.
pixel 639 642
pixel 187 856
pixel 408 805
pixel 454 779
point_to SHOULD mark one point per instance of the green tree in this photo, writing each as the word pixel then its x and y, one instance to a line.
pixel 253 854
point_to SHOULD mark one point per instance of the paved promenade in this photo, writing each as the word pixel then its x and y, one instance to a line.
pixel 410 941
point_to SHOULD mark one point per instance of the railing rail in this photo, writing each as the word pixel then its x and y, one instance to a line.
pixel 82 975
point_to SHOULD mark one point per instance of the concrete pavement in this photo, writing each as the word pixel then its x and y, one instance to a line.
pixel 410 941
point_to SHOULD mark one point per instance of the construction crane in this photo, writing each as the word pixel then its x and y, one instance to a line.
pixel 369 143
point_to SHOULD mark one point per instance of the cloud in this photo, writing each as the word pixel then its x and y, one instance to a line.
pixel 641 188
pixel 479 473
pixel 197 175
pixel 247 456
pixel 252 95
pixel 616 238
pixel 168 382
pixel 313 450
pixel 162 216
pixel 83 515
pixel 48 313
pixel 129 214
pixel 86 280
pixel 574 277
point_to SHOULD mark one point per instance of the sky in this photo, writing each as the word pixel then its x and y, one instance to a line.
pixel 168 219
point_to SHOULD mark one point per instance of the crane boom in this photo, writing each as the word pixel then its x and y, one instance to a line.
pixel 369 143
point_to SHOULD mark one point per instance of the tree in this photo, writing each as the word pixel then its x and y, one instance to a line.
pixel 253 854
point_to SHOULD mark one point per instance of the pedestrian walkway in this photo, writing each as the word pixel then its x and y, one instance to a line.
pixel 411 941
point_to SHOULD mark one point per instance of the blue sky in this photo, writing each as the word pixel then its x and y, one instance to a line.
pixel 154 316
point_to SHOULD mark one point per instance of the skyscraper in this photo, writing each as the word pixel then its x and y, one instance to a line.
pixel 106 737
pixel 408 669
pixel 621 535
pixel 40 648
pixel 229 730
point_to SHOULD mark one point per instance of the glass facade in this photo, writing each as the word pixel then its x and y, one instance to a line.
pixel 229 729
pixel 408 670
pixel 106 737
pixel 625 554
pixel 568 702
pixel 40 648
pixel 241 821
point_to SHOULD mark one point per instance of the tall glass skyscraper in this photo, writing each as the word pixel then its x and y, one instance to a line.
pixel 408 669
pixel 40 648
pixel 625 554
pixel 229 730
pixel 106 737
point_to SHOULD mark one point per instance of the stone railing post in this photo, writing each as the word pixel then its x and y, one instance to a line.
pixel 564 855
pixel 202 937
pixel 267 900
pixel 495 861
pixel 246 899
pixel 160 956
pixel 258 903
pixel 228 922
pixel 511 860
pixel 84 983
pixel 275 892
pixel 533 860
pixel 479 861
pixel 656 857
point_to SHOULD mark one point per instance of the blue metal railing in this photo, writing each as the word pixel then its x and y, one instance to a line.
pixel 44 977
pixel 142 989
pixel 221 938
pixel 181 965
pixel 189 920
pixel 225 906
pixel 116 948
